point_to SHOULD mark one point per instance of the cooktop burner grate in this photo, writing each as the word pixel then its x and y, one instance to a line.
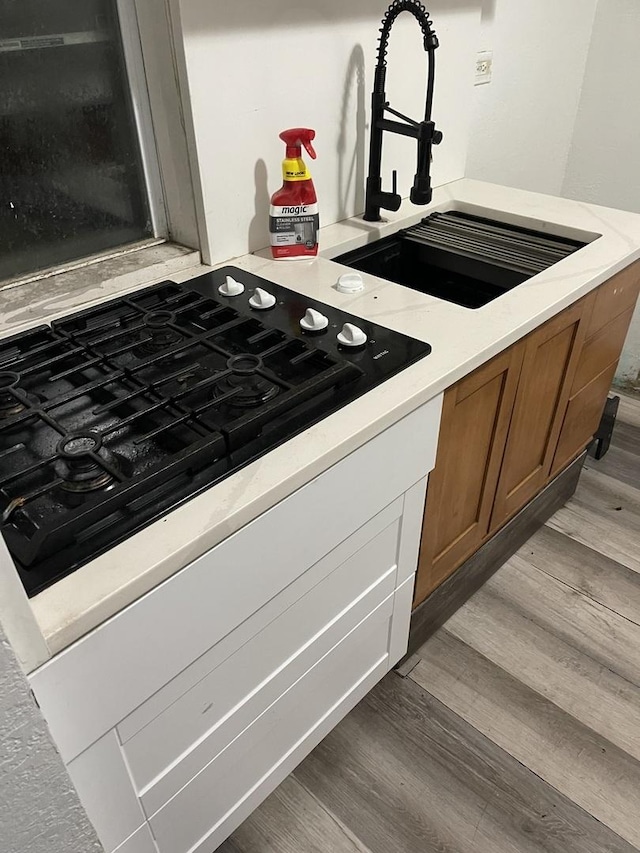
pixel 117 414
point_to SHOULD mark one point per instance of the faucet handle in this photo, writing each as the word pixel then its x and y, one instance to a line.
pixel 391 201
pixel 376 198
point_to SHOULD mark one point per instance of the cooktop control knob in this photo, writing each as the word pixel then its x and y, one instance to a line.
pixel 350 282
pixel 351 336
pixel 313 321
pixel 261 300
pixel 231 287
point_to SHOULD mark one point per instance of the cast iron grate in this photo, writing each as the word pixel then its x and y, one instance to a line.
pixel 118 413
pixel 136 392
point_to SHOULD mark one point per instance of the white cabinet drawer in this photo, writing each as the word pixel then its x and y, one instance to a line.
pixel 206 663
pixel 140 842
pixel 102 781
pixel 205 806
pixel 196 727
pixel 93 685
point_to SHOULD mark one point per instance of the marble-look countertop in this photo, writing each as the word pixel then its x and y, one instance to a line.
pixel 462 339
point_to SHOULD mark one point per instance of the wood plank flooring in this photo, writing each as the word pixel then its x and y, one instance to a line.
pixel 518 729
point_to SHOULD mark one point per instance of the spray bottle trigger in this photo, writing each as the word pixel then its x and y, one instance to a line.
pixel 309 148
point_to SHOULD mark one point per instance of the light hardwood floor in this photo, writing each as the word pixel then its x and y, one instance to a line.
pixel 519 728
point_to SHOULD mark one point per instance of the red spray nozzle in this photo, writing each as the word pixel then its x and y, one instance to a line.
pixel 295 138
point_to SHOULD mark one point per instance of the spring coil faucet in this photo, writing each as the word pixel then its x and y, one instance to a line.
pixel 424 131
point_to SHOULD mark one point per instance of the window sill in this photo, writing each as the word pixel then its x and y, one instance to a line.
pixel 23 305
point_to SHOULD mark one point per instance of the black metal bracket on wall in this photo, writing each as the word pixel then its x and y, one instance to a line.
pixel 602 439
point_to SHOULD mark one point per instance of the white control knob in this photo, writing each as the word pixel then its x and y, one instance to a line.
pixel 350 282
pixel 261 299
pixel 314 321
pixel 231 287
pixel 351 336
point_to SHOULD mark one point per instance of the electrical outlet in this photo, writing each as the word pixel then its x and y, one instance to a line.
pixel 484 67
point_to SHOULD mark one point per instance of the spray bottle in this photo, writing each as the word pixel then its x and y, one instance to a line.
pixel 293 216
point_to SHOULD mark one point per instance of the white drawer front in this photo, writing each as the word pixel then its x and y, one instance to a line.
pixel 97 682
pixel 104 786
pixel 196 727
pixel 207 802
pixel 206 663
pixel 140 842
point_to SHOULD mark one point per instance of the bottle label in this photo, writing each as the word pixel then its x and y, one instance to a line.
pixel 295 169
pixel 295 225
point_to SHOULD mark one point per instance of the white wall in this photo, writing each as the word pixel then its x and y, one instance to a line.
pixel 524 119
pixel 604 162
pixel 254 69
pixel 251 69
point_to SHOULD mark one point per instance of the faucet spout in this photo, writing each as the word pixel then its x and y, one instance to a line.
pixel 424 131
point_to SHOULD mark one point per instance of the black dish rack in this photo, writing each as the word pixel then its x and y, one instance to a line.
pixel 462 258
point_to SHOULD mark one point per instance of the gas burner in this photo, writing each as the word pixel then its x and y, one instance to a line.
pixel 79 463
pixel 252 388
pixel 13 400
pixel 131 408
pixel 161 334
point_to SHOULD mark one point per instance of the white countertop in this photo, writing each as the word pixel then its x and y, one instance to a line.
pixel 461 338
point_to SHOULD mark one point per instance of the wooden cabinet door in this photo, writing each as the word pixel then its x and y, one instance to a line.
pixel 592 382
pixel 616 296
pixel 550 361
pixel 582 418
pixel 461 490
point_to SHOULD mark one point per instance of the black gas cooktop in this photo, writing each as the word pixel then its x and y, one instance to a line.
pixel 117 414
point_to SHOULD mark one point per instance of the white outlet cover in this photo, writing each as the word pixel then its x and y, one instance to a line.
pixel 484 67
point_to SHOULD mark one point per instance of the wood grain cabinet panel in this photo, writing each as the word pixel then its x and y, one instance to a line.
pixel 600 350
pixel 461 490
pixel 614 297
pixel 582 418
pixel 516 422
pixel 595 372
pixel 549 366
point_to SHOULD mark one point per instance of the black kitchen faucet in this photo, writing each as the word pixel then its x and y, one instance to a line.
pixel 424 131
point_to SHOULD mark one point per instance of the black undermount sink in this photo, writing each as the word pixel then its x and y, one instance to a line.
pixel 462 258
